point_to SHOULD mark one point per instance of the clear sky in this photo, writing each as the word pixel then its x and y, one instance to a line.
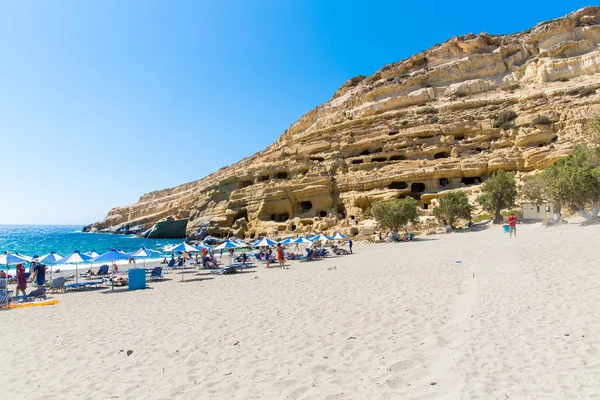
pixel 101 102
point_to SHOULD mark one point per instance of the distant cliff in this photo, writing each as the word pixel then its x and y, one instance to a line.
pixel 442 119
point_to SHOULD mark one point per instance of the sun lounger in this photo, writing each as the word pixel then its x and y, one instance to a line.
pixel 83 285
pixel 224 271
pixel 156 274
pixel 39 294
pixel 57 284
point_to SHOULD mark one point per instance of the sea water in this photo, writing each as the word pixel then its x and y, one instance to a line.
pixel 39 240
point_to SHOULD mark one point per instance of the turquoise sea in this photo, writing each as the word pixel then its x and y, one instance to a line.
pixel 39 240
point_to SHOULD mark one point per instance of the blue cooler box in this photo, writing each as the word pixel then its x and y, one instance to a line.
pixel 137 278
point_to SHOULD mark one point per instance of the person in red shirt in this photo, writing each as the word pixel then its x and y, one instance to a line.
pixel 512 224
pixel 21 280
pixel 280 257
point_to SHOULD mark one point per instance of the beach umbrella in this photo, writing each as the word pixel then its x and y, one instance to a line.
pixel 287 241
pixel 29 259
pixel 92 253
pixel 302 240
pixel 320 237
pixel 230 244
pixel 50 258
pixel 144 253
pixel 112 255
pixel 264 242
pixel 75 258
pixel 183 246
pixel 339 236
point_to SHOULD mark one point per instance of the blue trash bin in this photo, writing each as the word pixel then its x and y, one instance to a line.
pixel 506 228
pixel 137 278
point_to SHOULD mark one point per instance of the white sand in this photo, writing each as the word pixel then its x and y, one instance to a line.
pixel 387 322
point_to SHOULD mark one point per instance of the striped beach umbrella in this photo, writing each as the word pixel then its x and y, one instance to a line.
pixel 264 242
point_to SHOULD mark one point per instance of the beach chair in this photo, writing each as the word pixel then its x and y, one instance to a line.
pixel 57 284
pixel 156 273
pixel 103 271
pixel 4 293
pixel 225 271
pixel 171 263
pixel 39 294
pixel 310 256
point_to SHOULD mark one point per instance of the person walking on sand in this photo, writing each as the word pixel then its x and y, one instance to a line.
pixel 21 280
pixel 512 225
pixel 350 245
pixel 280 256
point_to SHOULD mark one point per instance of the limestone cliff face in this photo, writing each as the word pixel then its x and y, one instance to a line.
pixel 439 120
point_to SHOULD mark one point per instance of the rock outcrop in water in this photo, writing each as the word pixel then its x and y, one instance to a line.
pixel 443 119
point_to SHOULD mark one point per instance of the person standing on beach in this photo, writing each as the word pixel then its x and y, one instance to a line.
pixel 512 225
pixel 350 243
pixel 21 280
pixel 39 275
pixel 280 257
pixel 268 258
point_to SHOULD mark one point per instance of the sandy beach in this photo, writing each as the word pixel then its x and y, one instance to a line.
pixel 516 319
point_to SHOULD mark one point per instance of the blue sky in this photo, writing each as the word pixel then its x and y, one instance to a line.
pixel 101 102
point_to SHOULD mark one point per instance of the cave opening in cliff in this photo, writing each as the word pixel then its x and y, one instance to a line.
pixel 398 185
pixel 282 175
pixel 283 217
pixel 417 187
pixel 379 159
pixel 444 182
pixel 357 161
pixel 243 213
pixel 365 152
pixel 425 206
pixel 458 138
pixel 245 184
pixel 401 197
pixel 471 181
pixel 393 133
pixel 341 209
pixel 441 154
pixel 263 178
pixel 397 157
pixel 293 228
pixel 273 217
pixel 322 214
pixel 417 197
pixel 319 159
pixel 305 206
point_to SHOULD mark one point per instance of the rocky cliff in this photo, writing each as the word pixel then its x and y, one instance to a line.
pixel 442 119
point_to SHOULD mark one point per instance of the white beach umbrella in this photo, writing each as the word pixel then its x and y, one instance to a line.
pixel 75 258
pixel 92 253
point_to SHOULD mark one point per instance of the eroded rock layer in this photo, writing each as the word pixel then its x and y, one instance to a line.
pixel 443 119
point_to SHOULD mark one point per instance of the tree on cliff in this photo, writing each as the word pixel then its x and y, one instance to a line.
pixel 452 207
pixel 394 214
pixel 499 192
pixel 573 182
